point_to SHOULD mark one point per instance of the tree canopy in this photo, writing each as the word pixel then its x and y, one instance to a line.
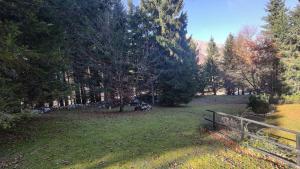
pixel 61 52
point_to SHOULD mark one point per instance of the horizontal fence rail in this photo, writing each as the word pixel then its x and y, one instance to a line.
pixel 241 125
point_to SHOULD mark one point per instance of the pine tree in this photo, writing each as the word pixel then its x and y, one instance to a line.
pixel 228 58
pixel 276 22
pixel 293 38
pixel 211 66
pixel 30 58
pixel 228 65
pixel 120 62
pixel 136 40
pixel 276 28
pixel 84 25
pixel 177 65
pixel 201 79
pixel 291 61
pixel 285 33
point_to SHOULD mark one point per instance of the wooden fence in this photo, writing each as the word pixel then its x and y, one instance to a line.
pixel 240 126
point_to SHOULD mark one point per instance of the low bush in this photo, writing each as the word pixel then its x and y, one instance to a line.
pixel 259 104
pixel 8 121
pixel 291 99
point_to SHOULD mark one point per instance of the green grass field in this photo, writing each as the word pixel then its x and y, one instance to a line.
pixel 162 138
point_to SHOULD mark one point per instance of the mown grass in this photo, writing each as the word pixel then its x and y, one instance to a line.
pixel 286 116
pixel 162 138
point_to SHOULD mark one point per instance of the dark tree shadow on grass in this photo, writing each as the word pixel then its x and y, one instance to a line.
pixel 122 147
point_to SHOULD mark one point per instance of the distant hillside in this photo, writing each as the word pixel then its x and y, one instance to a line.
pixel 202 47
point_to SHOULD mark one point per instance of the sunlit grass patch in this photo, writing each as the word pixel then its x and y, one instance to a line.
pixel 286 116
pixel 226 159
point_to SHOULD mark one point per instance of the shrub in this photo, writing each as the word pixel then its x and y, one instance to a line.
pixel 290 99
pixel 8 121
pixel 259 104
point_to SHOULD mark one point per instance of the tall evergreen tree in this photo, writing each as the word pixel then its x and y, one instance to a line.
pixel 291 61
pixel 276 28
pixel 212 66
pixel 284 31
pixel 276 22
pixel 293 38
pixel 228 65
pixel 30 57
pixel 177 65
pixel 228 58
pixel 118 75
pixel 83 24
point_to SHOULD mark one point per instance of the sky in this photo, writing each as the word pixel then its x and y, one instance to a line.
pixel 218 18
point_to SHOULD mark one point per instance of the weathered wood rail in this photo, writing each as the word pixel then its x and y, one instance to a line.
pixel 241 127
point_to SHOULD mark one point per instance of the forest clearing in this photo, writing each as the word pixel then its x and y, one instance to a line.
pixel 142 84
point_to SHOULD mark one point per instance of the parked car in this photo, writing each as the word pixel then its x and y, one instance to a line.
pixel 101 105
pixel 42 110
pixel 135 102
pixel 45 109
pixel 143 107
pixel 74 106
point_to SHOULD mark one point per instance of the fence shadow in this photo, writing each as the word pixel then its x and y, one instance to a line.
pixel 253 130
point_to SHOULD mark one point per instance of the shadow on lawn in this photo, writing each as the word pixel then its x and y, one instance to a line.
pixel 123 148
pixel 220 99
pixel 282 136
pixel 24 131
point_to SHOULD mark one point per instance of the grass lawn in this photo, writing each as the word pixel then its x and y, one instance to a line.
pixel 286 116
pixel 162 138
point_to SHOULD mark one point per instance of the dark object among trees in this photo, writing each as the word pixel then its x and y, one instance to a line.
pixel 143 107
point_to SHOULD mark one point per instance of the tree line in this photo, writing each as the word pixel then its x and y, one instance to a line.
pixel 257 62
pixel 79 52
pixel 65 52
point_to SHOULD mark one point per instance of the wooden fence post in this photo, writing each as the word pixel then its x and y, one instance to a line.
pixel 214 121
pixel 298 149
pixel 242 130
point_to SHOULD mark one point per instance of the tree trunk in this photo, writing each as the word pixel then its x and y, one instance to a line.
pixel 215 91
pixel 61 103
pixel 121 108
pixel 152 93
pixel 121 103
pixel 66 100
pixel 98 97
pixel 51 104
pixel 40 104
pixel 78 95
pixel 83 94
pixel 229 92
pixel 92 95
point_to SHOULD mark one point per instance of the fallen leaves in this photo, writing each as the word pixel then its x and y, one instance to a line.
pixel 12 162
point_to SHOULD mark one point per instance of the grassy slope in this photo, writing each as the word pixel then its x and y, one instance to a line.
pixel 163 138
pixel 287 116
